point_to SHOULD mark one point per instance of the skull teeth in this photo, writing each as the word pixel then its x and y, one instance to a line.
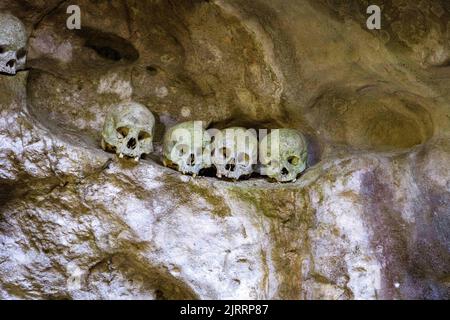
pixel 136 159
pixel 9 70
pixel 121 156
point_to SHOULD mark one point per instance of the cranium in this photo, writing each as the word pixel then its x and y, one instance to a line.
pixel 13 41
pixel 184 147
pixel 283 154
pixel 128 130
pixel 235 152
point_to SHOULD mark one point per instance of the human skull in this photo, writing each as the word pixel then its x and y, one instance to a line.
pixel 235 152
pixel 283 154
pixel 13 41
pixel 128 130
pixel 185 148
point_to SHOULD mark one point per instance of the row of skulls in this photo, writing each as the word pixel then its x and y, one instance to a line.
pixel 189 148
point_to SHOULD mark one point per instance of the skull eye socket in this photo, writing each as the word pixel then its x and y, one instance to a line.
pixel 293 160
pixel 243 158
pixel 123 131
pixel 183 149
pixel 21 53
pixel 144 135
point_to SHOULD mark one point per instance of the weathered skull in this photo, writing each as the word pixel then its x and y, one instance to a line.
pixel 13 41
pixel 235 152
pixel 185 148
pixel 128 130
pixel 283 154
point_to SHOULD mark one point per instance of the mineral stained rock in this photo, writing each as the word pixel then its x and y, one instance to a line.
pixel 369 219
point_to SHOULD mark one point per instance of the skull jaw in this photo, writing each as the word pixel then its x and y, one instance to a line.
pixel 291 177
pixel 129 153
pixel 4 69
pixel 11 70
pixel 123 151
pixel 277 174
pixel 284 171
pixel 183 167
pixel 240 171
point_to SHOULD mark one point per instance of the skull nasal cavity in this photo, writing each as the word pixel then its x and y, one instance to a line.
pixel 230 167
pixel 131 143
pixel 284 171
pixel 11 63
